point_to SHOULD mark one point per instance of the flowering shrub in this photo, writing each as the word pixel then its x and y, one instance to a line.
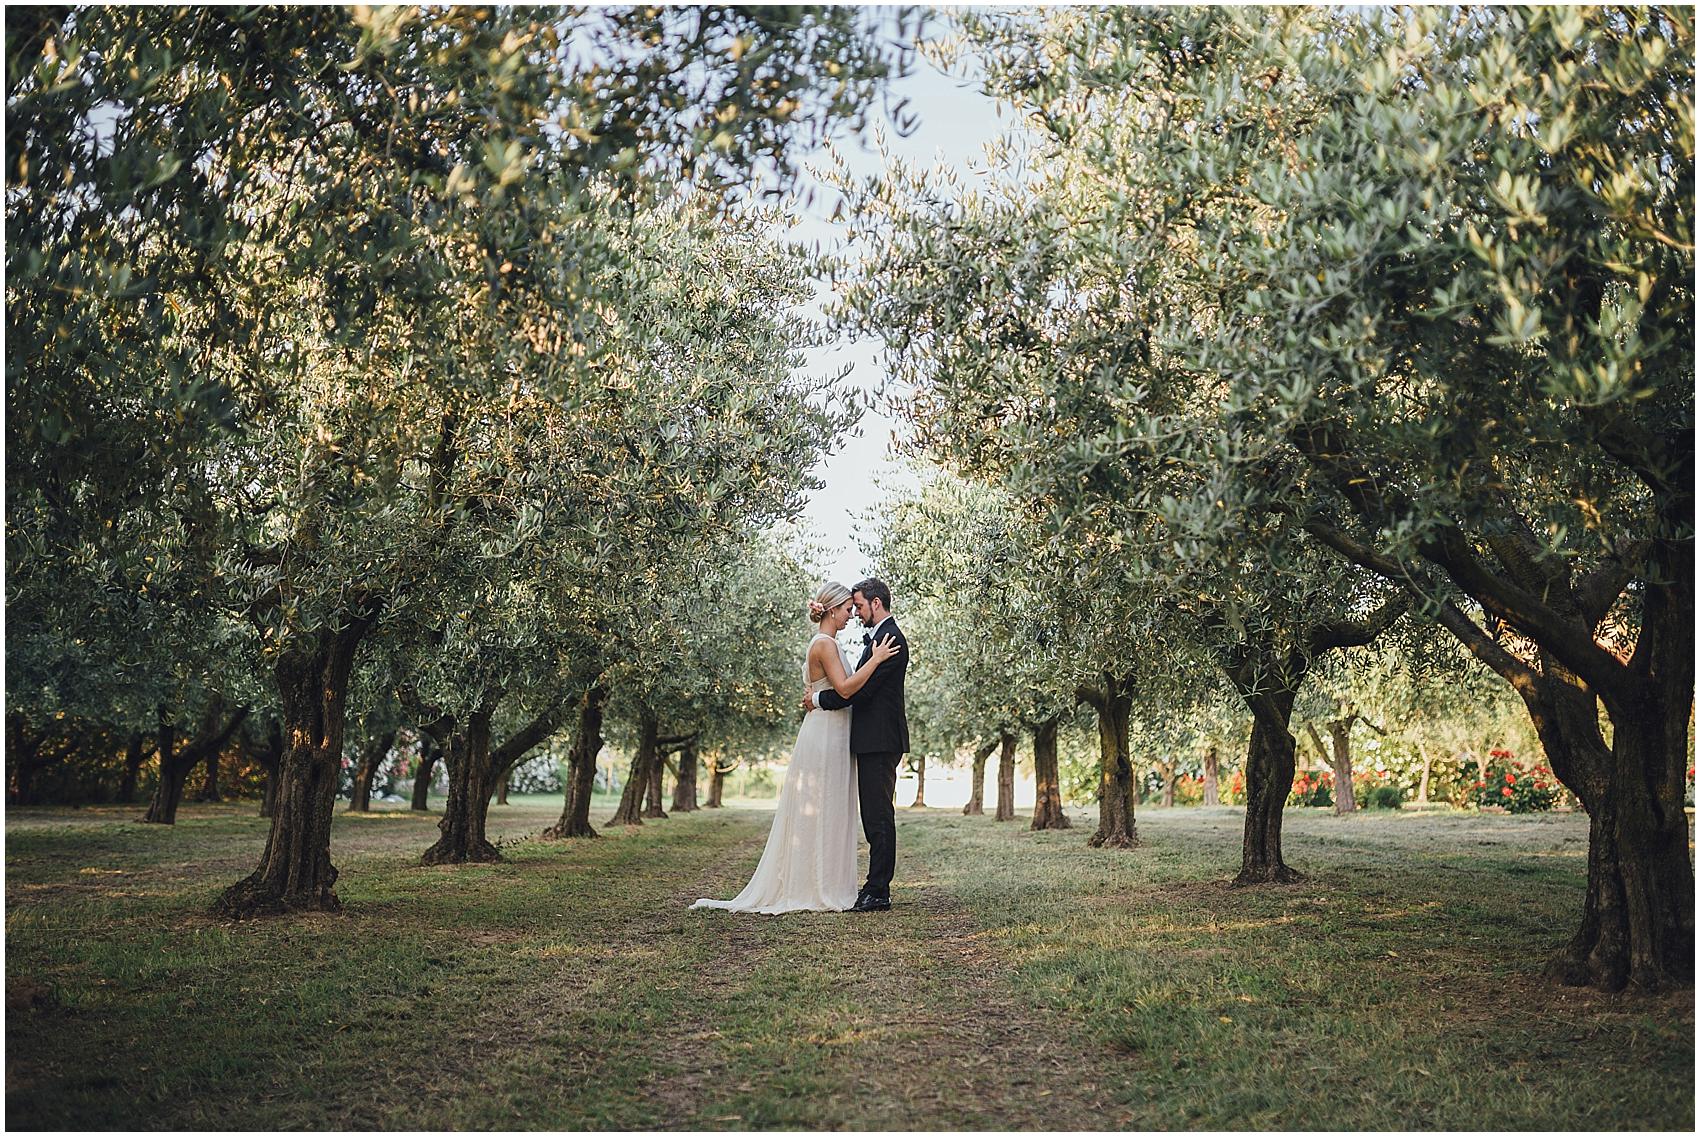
pixel 1233 790
pixel 1312 788
pixel 1688 793
pixel 1516 788
pixel 1190 790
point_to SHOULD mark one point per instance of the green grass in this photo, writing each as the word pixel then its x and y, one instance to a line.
pixel 1023 981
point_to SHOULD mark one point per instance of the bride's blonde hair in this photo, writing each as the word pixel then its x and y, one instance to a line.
pixel 830 596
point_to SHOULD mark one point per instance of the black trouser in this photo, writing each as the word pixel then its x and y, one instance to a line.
pixel 876 784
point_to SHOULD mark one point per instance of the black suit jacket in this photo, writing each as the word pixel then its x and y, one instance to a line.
pixel 879 725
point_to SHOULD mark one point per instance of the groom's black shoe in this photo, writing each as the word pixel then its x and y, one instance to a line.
pixel 866 903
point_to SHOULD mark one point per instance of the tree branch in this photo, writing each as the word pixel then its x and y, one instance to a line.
pixel 508 754
pixel 1337 634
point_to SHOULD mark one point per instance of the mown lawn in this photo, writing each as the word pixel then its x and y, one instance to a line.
pixel 1023 981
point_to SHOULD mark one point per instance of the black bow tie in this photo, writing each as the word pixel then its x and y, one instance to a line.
pixel 868 640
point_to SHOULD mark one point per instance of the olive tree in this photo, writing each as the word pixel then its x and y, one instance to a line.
pixel 270 269
pixel 1424 280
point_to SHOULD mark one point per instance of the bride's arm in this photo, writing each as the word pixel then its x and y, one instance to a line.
pixel 833 665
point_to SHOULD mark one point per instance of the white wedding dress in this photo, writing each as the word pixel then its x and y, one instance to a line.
pixel 809 864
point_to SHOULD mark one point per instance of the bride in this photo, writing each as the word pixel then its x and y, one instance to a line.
pixel 809 864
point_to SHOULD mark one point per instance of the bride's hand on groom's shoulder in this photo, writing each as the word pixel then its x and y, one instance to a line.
pixel 884 649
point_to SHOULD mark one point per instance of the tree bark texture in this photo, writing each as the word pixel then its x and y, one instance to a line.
pixel 1268 682
pixel 1212 777
pixel 434 740
pixel 1345 793
pixel 581 768
pixel 630 810
pixel 135 755
pixel 976 806
pixel 1117 792
pixel 1006 776
pixel 717 782
pixel 1638 911
pixel 1047 779
pixel 371 757
pixel 920 764
pixel 1268 677
pixel 168 787
pixel 214 732
pixel 295 871
pixel 653 789
pixel 476 768
pixel 685 788
pixel 209 787
pixel 472 779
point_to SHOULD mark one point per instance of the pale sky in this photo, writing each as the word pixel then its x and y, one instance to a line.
pixel 956 122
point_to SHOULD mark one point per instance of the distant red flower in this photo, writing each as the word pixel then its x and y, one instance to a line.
pixel 1511 779
pixel 1481 785
pixel 1506 791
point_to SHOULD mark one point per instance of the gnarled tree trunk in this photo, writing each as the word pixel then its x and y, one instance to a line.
pixel 175 765
pixel 652 791
pixel 209 787
pixel 1271 762
pixel 1268 679
pixel 1638 921
pixel 717 772
pixel 685 788
pixel 1047 779
pixel 376 750
pixel 919 762
pixel 1117 793
pixel 472 777
pixel 1212 777
pixel 433 741
pixel 135 755
pixel 1167 770
pixel 168 788
pixel 581 768
pixel 1638 908
pixel 630 810
pixel 1006 777
pixel 976 806
pixel 1340 760
pixel 502 789
pixel 295 871
pixel 476 768
pixel 423 776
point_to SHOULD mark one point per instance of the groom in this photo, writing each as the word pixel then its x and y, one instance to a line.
pixel 879 737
